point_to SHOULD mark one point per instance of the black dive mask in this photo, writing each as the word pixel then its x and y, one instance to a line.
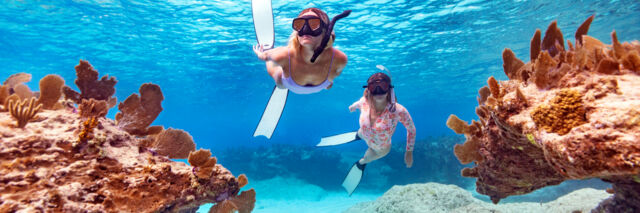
pixel 308 25
pixel 378 86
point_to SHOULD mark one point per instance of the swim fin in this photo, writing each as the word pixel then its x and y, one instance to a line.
pixel 272 112
pixel 352 180
pixel 263 22
pixel 339 139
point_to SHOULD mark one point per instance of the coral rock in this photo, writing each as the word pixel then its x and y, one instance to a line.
pixel 50 90
pixel 581 121
pixel 42 171
pixel 138 112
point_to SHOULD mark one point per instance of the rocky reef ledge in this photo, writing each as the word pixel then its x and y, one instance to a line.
pixel 436 197
pixel 571 112
pixel 58 152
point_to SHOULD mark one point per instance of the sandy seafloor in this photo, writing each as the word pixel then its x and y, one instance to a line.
pixel 281 194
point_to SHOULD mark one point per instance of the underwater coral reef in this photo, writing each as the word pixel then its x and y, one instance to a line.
pixel 571 112
pixel 58 152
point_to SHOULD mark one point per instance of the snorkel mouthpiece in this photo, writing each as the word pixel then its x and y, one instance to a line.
pixel 327 34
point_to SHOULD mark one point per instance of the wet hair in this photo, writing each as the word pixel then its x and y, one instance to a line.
pixel 293 38
pixel 368 97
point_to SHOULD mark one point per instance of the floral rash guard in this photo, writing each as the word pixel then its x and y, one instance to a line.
pixel 378 135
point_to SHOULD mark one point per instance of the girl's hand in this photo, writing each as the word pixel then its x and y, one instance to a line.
pixel 259 50
pixel 352 108
pixel 408 158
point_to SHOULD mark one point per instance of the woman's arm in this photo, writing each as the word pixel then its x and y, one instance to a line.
pixel 405 119
pixel 274 58
pixel 356 105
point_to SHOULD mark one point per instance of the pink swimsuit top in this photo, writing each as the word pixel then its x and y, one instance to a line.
pixel 378 135
pixel 290 84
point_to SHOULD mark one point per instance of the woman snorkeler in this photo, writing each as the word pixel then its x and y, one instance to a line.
pixel 379 116
pixel 304 75
pixel 308 64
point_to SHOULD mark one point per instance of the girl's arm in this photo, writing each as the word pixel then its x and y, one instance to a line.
pixel 405 119
pixel 356 105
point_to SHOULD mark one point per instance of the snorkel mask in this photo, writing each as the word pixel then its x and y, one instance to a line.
pixel 379 84
pixel 308 25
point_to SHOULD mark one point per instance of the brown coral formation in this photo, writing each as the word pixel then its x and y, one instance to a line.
pixel 64 162
pixel 93 108
pixel 138 112
pixel 174 143
pixel 567 114
pixel 23 112
pixel 50 90
pixel 89 85
pixel 203 163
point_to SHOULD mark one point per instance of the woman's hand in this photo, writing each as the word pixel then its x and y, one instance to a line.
pixel 408 158
pixel 259 50
pixel 352 108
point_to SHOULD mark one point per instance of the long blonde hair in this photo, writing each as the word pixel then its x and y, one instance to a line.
pixel 368 97
pixel 293 38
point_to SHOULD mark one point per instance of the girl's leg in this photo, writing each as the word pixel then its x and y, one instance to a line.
pixel 372 155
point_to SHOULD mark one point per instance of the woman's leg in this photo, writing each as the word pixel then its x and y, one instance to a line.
pixel 372 155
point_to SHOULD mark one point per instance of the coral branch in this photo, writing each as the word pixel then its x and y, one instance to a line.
pixel 138 112
pixel 23 114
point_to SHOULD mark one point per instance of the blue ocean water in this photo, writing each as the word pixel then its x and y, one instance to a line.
pixel 199 52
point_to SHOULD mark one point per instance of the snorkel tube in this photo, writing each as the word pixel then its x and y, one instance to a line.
pixel 327 34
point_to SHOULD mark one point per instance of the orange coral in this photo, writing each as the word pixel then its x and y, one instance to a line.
pixel 89 85
pixel 50 90
pixel 468 152
pixel 23 114
pixel 242 180
pixel 457 125
pixel 93 108
pixel 484 94
pixel 174 143
pixel 564 112
pixel 203 162
pixel 494 87
pixel 87 129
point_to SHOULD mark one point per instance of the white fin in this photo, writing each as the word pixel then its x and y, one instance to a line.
pixel 272 113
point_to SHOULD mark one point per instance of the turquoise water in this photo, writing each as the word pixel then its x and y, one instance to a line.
pixel 199 52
